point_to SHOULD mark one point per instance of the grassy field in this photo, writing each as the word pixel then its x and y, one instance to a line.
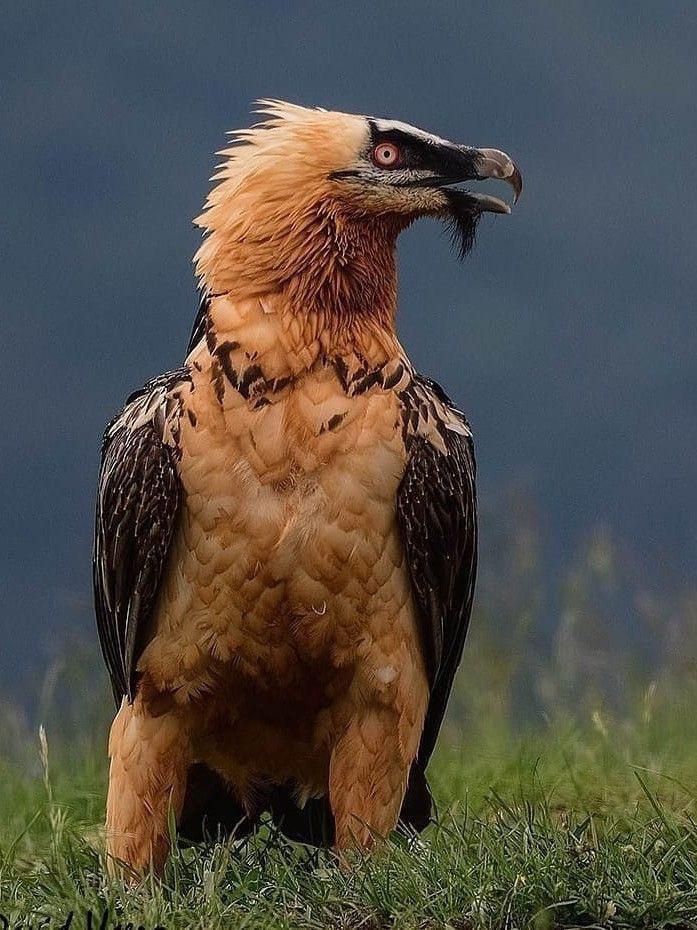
pixel 566 781
pixel 559 829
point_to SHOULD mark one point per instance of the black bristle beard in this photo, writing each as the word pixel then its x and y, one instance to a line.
pixel 463 217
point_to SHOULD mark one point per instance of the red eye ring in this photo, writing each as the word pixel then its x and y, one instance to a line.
pixel 386 155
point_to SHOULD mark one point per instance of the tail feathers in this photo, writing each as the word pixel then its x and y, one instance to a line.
pixel 417 805
pixel 211 810
pixel 312 824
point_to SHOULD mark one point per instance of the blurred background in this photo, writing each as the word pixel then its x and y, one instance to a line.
pixel 569 336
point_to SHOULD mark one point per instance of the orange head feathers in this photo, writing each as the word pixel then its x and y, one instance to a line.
pixel 310 202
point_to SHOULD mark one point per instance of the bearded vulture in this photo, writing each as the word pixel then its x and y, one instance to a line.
pixel 286 529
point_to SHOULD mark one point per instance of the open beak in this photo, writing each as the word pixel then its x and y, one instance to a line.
pixel 460 163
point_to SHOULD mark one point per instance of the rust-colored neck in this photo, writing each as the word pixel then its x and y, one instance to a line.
pixel 330 276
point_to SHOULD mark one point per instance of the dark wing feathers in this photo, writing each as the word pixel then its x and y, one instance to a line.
pixel 436 508
pixel 137 504
pixel 198 330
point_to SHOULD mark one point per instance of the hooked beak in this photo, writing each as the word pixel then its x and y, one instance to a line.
pixel 492 163
pixel 460 163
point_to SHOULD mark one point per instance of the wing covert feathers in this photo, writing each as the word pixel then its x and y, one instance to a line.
pixel 137 503
pixel 437 513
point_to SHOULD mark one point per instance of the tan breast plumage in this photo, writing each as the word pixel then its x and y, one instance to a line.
pixel 287 586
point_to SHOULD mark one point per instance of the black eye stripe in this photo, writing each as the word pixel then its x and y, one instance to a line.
pixel 419 154
pixel 438 160
pixel 415 153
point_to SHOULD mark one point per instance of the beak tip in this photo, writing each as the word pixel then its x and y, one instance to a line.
pixel 516 183
pixel 493 163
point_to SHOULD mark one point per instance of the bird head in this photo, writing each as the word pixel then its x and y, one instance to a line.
pixel 321 196
pixel 400 170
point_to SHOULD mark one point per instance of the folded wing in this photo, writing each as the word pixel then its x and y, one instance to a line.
pixel 437 513
pixel 137 504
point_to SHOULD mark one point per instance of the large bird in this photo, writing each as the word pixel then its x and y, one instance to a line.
pixel 286 532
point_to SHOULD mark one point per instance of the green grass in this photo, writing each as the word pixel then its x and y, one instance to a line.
pixel 583 823
pixel 560 829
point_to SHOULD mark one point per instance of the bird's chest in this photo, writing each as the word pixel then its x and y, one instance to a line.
pixel 289 530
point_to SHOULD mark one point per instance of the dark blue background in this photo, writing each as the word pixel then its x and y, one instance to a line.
pixel 569 336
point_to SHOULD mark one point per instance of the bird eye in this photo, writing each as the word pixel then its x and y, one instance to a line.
pixel 386 155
